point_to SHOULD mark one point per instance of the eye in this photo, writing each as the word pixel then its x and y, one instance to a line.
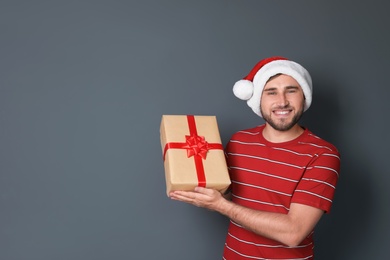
pixel 291 90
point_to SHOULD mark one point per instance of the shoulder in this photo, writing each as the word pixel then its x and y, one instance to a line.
pixel 248 133
pixel 244 138
pixel 319 145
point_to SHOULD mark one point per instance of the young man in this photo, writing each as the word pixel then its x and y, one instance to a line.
pixel 283 176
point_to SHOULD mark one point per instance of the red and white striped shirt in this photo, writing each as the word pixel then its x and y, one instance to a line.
pixel 269 177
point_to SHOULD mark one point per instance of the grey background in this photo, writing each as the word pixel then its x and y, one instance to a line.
pixel 83 85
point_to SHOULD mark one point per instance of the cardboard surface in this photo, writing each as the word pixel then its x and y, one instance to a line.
pixel 180 170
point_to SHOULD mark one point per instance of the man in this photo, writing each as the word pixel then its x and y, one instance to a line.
pixel 283 176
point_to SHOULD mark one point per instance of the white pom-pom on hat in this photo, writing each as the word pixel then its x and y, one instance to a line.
pixel 243 89
pixel 251 87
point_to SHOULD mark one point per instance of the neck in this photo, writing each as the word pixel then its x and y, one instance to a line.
pixel 276 136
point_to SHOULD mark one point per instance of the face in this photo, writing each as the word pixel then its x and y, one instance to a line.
pixel 282 102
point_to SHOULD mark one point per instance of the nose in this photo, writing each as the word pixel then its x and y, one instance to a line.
pixel 282 100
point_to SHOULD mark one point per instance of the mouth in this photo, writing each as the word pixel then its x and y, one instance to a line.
pixel 282 112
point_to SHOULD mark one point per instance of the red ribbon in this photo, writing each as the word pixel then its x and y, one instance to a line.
pixel 196 146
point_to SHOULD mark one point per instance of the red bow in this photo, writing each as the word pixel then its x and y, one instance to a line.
pixel 196 145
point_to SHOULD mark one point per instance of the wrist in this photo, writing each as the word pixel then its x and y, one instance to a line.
pixel 225 206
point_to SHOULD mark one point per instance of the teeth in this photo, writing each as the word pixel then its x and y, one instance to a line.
pixel 281 112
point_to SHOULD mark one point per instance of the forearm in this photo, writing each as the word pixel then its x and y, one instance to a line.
pixel 277 226
pixel 289 229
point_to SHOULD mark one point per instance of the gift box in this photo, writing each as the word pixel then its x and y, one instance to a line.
pixel 193 153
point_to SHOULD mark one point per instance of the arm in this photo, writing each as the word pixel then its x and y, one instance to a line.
pixel 289 229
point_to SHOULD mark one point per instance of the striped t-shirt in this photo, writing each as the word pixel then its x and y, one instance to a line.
pixel 269 177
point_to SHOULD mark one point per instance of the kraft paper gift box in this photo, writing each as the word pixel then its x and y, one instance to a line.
pixel 193 153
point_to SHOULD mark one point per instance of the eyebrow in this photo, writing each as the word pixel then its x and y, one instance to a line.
pixel 287 88
pixel 269 89
pixel 291 87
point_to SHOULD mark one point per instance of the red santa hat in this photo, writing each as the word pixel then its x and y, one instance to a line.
pixel 251 87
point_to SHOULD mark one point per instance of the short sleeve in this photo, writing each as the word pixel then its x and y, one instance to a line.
pixel 318 184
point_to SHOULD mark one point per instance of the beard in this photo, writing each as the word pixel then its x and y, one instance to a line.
pixel 283 124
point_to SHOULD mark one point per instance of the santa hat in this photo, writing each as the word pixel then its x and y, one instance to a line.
pixel 251 87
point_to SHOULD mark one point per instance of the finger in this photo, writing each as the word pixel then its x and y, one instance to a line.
pixel 183 196
pixel 205 191
pixel 183 193
pixel 200 189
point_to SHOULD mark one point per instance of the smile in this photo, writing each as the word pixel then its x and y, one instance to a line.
pixel 281 112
